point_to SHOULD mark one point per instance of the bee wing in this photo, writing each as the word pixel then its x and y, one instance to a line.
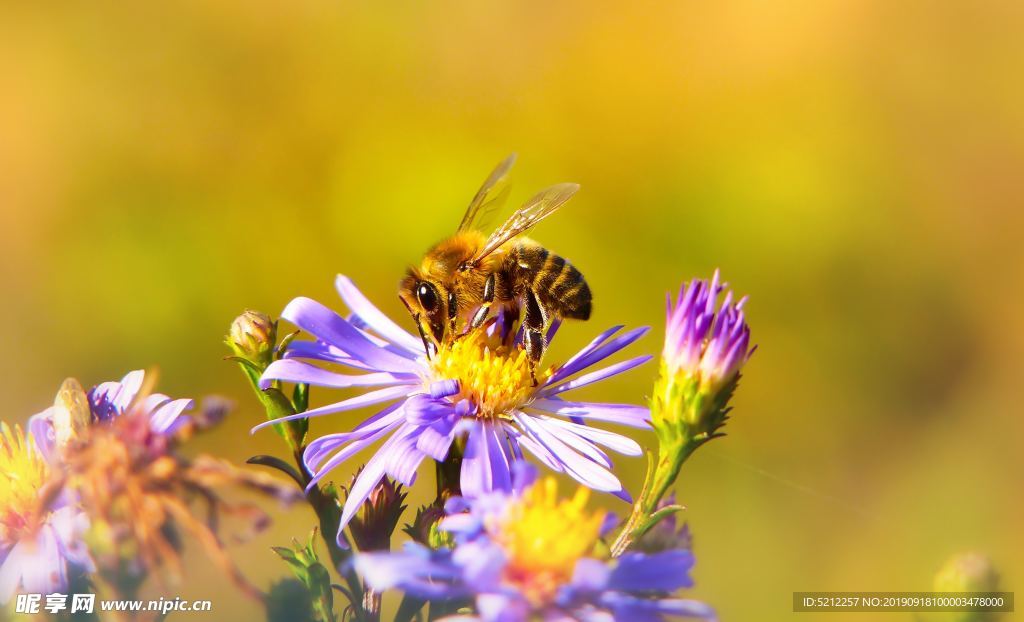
pixel 71 414
pixel 490 196
pixel 526 217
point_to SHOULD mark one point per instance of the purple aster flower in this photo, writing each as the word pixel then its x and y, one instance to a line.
pixel 105 402
pixel 479 386
pixel 527 555
pixel 40 535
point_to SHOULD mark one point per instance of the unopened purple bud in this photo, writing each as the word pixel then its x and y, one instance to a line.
pixel 706 346
pixel 702 341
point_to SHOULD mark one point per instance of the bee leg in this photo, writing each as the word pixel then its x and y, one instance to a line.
pixel 485 307
pixel 534 325
pixel 453 314
pixel 428 345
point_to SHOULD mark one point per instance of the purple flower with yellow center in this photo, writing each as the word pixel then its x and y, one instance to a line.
pixel 478 386
pixel 706 346
pixel 526 555
pixel 41 526
pixel 40 532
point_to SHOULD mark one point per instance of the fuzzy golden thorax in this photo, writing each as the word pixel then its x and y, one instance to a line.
pixel 445 277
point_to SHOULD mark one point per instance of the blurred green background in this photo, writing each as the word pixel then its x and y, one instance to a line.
pixel 856 167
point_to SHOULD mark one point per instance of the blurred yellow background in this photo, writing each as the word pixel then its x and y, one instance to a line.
pixel 856 167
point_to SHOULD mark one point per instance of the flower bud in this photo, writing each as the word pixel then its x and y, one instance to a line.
pixel 253 336
pixel 424 527
pixel 706 346
pixel 378 517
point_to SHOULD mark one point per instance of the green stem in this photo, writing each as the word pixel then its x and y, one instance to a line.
pixel 277 405
pixel 329 515
pixel 659 481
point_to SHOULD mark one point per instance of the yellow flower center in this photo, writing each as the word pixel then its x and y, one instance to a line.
pixel 23 471
pixel 492 376
pixel 544 537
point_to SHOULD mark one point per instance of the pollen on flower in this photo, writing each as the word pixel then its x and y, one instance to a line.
pixel 543 538
pixel 23 471
pixel 493 376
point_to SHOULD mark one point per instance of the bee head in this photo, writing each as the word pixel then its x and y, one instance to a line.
pixel 428 302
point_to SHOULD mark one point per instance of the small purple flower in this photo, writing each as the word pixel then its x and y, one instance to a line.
pixel 479 386
pixel 41 543
pixel 706 347
pixel 526 555
pixel 113 399
pixel 702 340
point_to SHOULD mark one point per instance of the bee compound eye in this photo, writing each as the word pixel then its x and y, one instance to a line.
pixel 427 295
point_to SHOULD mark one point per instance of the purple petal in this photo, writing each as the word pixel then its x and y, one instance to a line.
pixel 539 451
pixel 425 409
pixel 578 363
pixel 625 414
pixel 291 370
pixel 436 439
pixel 632 608
pixel 328 326
pixel 571 363
pixel 414 570
pixel 374 318
pixel 354 447
pixel 524 475
pixel 616 442
pixel 317 350
pixel 111 399
pixel 365 482
pixel 578 467
pixel 594 376
pixel 167 415
pixel 494 607
pixel 34 565
pixel 40 426
pixel 367 399
pixel 485 465
pixel 686 607
pixel 390 454
pixel 667 571
pixel 590 575
pixel 402 457
pixel 482 563
pixel 444 388
pixel 317 450
pixel 570 438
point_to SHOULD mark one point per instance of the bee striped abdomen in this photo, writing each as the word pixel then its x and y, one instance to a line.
pixel 559 286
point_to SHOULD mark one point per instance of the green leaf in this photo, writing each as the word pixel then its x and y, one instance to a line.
pixel 300 399
pixel 314 576
pixel 279 464
pixel 656 518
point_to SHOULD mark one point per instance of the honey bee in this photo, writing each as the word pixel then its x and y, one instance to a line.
pixel 462 279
